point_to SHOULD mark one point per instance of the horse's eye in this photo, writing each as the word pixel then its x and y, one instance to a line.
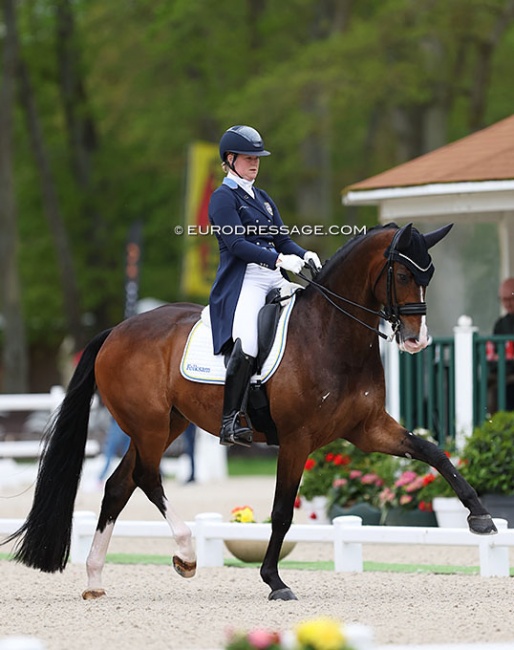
pixel 402 278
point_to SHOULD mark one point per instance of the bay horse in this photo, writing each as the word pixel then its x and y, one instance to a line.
pixel 330 384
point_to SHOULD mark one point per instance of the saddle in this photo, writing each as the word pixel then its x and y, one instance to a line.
pixel 258 403
pixel 267 324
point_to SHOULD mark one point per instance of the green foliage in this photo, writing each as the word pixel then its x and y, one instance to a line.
pixel 158 76
pixel 335 461
pixel 489 455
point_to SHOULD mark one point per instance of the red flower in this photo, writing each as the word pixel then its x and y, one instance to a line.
pixel 313 515
pixel 329 457
pixel 310 463
pixel 297 502
pixel 342 459
pixel 428 478
pixel 425 506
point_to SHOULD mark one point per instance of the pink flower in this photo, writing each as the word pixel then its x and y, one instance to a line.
pixel 262 639
pixel 355 473
pixel 405 478
pixel 339 482
pixel 405 499
pixel 387 495
pixel 371 479
pixel 416 484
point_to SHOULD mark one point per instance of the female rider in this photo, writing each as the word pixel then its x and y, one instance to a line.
pixel 255 251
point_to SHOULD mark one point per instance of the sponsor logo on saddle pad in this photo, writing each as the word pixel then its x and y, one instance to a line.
pixel 201 365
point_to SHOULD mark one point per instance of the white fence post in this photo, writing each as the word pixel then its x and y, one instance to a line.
pixel 82 532
pixel 494 560
pixel 347 555
pixel 57 394
pixel 463 332
pixel 209 551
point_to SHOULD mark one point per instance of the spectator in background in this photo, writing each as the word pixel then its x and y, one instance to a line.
pixel 504 325
pixel 116 444
pixel 189 438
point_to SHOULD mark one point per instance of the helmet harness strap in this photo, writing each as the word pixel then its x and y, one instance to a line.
pixel 232 164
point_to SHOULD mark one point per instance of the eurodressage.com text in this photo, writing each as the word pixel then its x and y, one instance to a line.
pixel 253 230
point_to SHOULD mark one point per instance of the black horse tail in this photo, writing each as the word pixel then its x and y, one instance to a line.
pixel 44 540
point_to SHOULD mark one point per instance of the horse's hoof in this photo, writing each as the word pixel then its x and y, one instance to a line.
pixel 184 568
pixel 282 594
pixel 93 594
pixel 482 525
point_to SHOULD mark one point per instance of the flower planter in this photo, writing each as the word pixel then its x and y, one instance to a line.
pixel 369 514
pixel 450 513
pixel 404 517
pixel 316 509
pixel 251 550
pixel 500 505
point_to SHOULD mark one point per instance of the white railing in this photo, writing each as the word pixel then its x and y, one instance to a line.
pixel 463 361
pixel 210 456
pixel 346 534
pixel 34 402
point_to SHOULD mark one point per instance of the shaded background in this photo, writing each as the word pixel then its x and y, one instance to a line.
pixel 100 104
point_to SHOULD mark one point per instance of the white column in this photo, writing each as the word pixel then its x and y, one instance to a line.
pixel 209 550
pixel 494 560
pixel 210 457
pixel 506 240
pixel 83 530
pixel 347 555
pixel 463 333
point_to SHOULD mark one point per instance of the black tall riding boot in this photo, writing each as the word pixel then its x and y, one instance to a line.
pixel 239 371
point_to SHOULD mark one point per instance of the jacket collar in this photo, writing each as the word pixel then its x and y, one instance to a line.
pixel 256 202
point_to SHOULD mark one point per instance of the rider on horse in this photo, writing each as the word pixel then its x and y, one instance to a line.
pixel 255 252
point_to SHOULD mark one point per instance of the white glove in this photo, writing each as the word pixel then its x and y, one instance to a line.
pixel 311 255
pixel 292 263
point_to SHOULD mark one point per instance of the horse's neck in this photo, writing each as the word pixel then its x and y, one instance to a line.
pixel 350 280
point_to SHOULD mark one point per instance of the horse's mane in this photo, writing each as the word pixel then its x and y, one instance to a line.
pixel 348 247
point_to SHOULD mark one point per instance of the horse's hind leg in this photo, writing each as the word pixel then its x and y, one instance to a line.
pixel 147 476
pixel 118 490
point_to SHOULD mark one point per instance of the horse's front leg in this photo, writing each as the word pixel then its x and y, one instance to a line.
pixel 479 520
pixel 289 473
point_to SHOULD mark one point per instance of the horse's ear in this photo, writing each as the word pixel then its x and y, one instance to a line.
pixel 432 238
pixel 403 237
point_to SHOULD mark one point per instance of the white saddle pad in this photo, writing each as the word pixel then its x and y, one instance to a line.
pixel 201 365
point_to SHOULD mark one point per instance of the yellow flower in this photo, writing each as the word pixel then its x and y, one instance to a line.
pixel 243 515
pixel 321 634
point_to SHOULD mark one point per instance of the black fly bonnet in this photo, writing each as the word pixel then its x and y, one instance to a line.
pixel 410 248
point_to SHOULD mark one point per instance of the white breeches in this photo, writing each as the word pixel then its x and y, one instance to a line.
pixel 258 281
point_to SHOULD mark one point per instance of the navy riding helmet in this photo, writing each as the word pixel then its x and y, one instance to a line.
pixel 242 139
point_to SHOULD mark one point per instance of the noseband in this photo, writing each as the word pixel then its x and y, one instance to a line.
pixel 392 311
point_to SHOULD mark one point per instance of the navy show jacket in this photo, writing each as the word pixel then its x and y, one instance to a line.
pixel 250 230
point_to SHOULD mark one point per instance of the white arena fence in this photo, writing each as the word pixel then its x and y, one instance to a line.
pixel 34 402
pixel 210 456
pixel 346 534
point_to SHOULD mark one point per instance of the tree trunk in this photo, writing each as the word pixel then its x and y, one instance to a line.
pixel 315 187
pixel 52 208
pixel 485 50
pixel 14 351
pixel 82 141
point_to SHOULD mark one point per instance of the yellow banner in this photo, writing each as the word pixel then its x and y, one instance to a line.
pixel 204 174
